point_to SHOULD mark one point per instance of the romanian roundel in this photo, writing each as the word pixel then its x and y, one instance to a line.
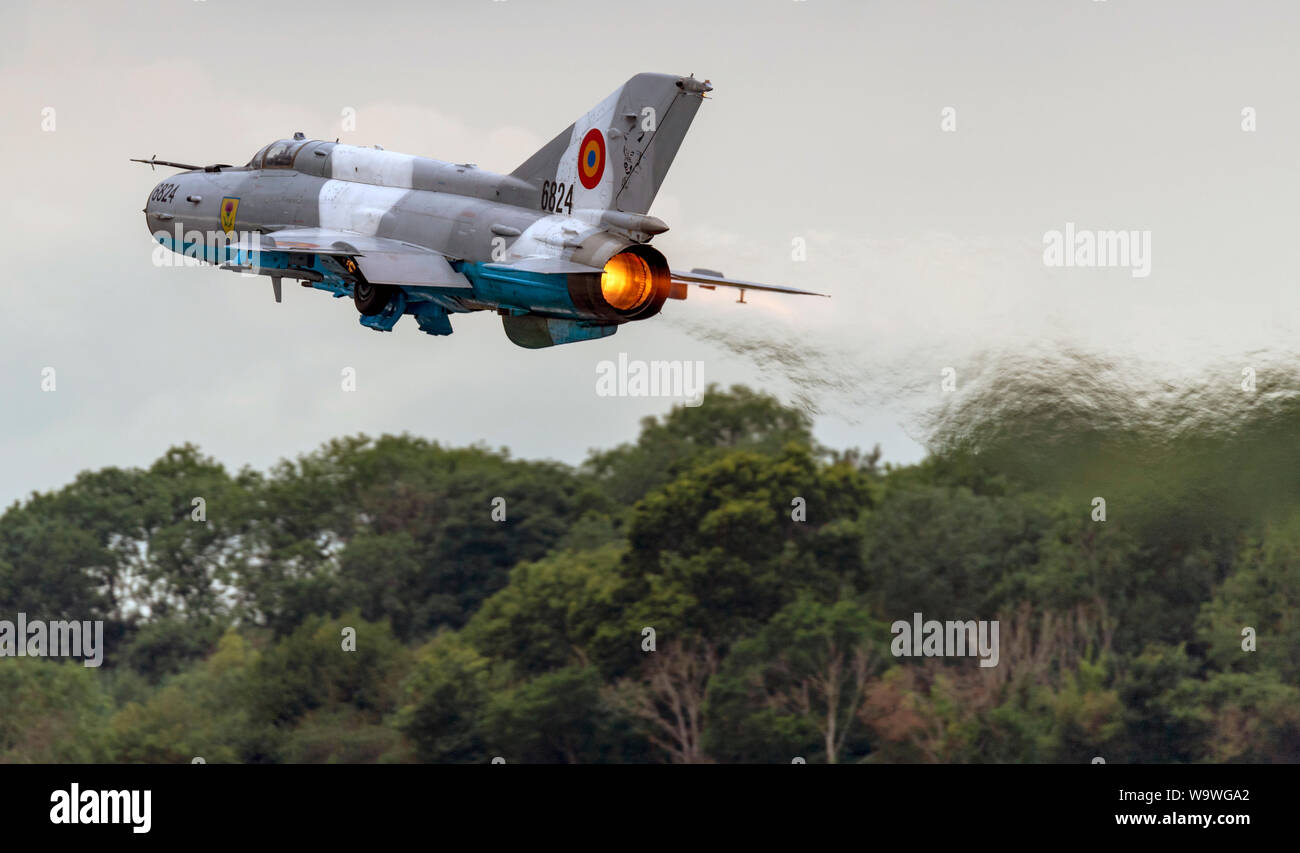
pixel 591 158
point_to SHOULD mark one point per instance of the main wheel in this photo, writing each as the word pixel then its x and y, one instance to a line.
pixel 371 299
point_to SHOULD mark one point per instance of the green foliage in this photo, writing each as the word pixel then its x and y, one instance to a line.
pixel 558 717
pixel 165 646
pixel 317 666
pixel 563 609
pixel 767 569
pixel 404 528
pixel 444 699
pixel 1250 717
pixel 54 713
pixel 798 686
pixel 721 542
pixel 739 419
pixel 1161 727
pixel 203 712
pixel 1263 594
pixel 949 551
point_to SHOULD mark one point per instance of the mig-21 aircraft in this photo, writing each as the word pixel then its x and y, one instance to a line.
pixel 560 247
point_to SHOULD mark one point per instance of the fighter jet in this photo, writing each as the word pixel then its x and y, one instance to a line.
pixel 560 247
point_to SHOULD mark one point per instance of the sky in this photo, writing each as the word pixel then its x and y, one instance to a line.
pixel 920 151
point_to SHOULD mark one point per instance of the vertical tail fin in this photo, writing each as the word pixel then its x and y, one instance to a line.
pixel 616 156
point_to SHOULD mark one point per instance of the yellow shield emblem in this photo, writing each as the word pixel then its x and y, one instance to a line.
pixel 229 207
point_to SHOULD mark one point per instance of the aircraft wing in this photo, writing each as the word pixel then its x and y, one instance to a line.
pixel 382 261
pixel 708 279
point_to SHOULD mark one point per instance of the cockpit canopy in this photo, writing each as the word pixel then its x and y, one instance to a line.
pixel 279 154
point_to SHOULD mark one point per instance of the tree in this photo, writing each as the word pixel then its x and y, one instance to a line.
pixel 55 713
pixel 443 701
pixel 737 419
pixel 1046 699
pixel 563 609
pixel 668 696
pixel 806 672
pixel 947 552
pixel 406 528
pixel 725 540
pixel 558 717
pixel 203 712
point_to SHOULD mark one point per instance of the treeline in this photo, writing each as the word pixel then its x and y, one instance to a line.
pixel 720 589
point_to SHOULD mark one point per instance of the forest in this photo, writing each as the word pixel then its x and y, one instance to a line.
pixel 718 589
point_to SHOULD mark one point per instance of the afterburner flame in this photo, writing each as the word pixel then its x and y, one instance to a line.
pixel 627 282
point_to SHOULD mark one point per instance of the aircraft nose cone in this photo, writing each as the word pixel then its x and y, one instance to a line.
pixel 159 208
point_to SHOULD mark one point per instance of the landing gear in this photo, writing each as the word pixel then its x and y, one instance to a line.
pixel 386 317
pixel 372 299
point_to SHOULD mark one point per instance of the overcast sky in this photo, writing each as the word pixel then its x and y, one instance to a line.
pixel 825 125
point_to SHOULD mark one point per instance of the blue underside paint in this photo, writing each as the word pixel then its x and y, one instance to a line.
pixel 571 331
pixel 530 292
pixel 432 319
pixel 266 260
pixel 512 292
pixel 384 321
